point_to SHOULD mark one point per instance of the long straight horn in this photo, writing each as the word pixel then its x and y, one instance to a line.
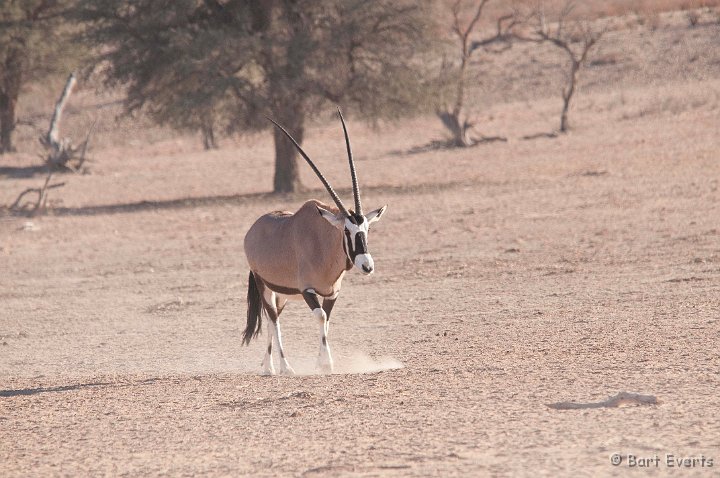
pixel 353 174
pixel 329 188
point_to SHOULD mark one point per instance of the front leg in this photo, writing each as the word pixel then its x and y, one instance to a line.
pixel 325 362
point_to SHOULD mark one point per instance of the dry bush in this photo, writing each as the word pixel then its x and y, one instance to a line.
pixel 693 17
pixel 648 9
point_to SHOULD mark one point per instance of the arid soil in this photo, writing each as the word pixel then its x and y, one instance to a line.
pixel 510 276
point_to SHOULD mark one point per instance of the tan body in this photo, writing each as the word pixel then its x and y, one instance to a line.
pixel 297 251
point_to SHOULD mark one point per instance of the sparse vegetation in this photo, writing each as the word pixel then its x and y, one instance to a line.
pixel 34 43
pixel 61 155
pixel 693 17
pixel 453 116
pixel 212 64
pixel 576 38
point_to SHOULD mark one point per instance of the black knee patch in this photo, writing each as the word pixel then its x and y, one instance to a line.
pixel 311 299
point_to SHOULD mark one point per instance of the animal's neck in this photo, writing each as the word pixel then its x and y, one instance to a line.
pixel 348 264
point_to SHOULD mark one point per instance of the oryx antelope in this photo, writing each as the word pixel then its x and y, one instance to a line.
pixel 305 255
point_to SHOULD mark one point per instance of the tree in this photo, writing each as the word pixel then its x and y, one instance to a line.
pixel 575 40
pixel 60 155
pixel 453 118
pixel 31 36
pixel 228 63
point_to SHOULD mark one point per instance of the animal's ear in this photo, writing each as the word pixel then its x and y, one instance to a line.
pixel 374 216
pixel 336 221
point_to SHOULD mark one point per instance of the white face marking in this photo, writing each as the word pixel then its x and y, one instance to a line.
pixel 353 229
pixel 364 262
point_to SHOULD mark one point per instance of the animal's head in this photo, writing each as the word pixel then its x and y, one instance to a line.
pixel 355 230
pixel 354 224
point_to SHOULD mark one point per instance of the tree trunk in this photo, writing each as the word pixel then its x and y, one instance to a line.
pixel 9 93
pixel 7 123
pixel 458 127
pixel 458 130
pixel 567 97
pixel 287 174
pixel 208 136
pixel 287 80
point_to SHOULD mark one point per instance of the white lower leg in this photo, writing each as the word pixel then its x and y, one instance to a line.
pixel 267 363
pixel 325 361
pixel 285 367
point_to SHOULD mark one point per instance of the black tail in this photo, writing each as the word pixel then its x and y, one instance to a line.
pixel 254 311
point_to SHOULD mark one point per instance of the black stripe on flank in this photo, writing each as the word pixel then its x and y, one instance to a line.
pixel 282 289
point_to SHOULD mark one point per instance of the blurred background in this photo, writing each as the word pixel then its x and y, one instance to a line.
pixel 195 81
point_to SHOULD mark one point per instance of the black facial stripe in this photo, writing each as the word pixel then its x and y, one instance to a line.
pixel 360 243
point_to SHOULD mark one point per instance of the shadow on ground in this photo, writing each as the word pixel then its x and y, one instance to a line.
pixel 23 171
pixel 68 388
pixel 185 203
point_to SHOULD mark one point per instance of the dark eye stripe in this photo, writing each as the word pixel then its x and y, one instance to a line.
pixel 360 243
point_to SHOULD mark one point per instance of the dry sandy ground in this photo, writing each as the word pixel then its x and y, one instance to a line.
pixel 509 276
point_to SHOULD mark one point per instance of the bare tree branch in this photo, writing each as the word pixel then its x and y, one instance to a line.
pixel 60 150
pixel 576 41
pixel 452 117
pixel 41 203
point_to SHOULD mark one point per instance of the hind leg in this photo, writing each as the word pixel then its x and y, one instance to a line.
pixel 270 301
pixel 267 363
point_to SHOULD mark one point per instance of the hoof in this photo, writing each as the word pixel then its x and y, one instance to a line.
pixel 267 367
pixel 325 367
pixel 287 371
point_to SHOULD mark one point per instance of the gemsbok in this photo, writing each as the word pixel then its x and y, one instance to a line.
pixel 304 255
